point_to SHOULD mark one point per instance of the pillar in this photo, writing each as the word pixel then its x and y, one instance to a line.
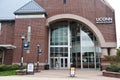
pixel 104 52
pixel 104 64
pixel 112 51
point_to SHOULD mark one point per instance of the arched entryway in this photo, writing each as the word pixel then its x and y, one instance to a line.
pixel 73 43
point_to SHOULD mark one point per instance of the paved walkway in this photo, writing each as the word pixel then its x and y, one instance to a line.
pixel 85 74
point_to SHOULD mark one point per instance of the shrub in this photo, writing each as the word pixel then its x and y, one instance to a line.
pixel 113 68
pixel 3 68
pixel 118 52
pixel 115 62
pixel 15 67
pixel 9 67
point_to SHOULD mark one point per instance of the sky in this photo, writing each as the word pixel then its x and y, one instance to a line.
pixel 116 5
pixel 8 13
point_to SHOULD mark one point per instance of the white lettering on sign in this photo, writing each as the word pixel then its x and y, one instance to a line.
pixel 104 20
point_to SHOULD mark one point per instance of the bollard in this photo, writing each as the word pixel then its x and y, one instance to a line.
pixel 72 71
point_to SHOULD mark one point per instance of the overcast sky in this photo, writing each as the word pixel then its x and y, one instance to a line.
pixel 7 7
pixel 116 5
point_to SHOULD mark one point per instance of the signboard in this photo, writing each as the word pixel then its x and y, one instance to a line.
pixel 39 51
pixel 104 20
pixel 30 68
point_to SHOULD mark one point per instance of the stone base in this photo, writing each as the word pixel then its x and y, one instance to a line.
pixel 104 63
pixel 21 72
pixel 111 74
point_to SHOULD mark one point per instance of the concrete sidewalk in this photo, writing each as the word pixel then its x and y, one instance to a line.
pixel 81 74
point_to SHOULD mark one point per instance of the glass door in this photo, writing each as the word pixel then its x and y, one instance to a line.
pixel 59 63
pixel 59 51
pixel 64 63
pixel 88 60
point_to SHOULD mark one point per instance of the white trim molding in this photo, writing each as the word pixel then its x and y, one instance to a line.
pixel 30 16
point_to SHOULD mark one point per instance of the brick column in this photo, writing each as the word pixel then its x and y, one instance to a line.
pixel 104 62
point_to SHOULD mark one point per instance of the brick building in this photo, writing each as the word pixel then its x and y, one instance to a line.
pixel 77 32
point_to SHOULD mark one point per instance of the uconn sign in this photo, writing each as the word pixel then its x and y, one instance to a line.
pixel 104 20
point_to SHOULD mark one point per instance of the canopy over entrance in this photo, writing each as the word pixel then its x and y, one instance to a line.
pixel 7 46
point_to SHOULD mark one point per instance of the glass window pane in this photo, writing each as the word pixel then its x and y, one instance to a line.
pixel 59 34
pixel 66 62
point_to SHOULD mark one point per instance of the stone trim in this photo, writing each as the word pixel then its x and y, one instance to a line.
pixel 109 44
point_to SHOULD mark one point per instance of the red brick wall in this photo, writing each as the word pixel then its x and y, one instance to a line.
pixel 111 74
pixel 7 32
pixel 39 33
pixel 6 37
pixel 89 9
pixel 8 57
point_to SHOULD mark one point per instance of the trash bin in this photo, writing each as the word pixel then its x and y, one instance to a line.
pixel 46 67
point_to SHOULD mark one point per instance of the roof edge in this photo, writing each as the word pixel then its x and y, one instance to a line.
pixel 7 20
pixel 107 4
pixel 25 13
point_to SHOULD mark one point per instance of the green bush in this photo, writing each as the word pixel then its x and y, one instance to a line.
pixel 118 52
pixel 113 68
pixel 3 68
pixel 9 67
pixel 115 62
pixel 15 67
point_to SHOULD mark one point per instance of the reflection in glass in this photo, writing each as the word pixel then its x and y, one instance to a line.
pixel 59 35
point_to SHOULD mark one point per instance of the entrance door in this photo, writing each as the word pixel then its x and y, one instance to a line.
pixel 88 60
pixel 59 63
pixel 76 60
pixel 64 63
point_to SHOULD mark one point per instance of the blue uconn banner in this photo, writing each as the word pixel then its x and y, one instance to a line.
pixel 26 46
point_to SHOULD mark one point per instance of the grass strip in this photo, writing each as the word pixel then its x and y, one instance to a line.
pixel 8 73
